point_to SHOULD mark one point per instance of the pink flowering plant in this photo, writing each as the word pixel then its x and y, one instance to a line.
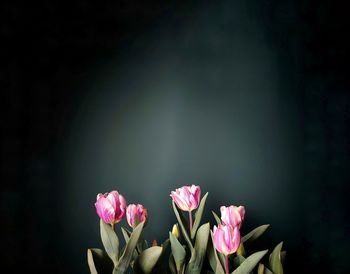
pixel 192 247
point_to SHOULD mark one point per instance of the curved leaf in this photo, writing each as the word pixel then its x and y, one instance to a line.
pixel 99 261
pixel 125 259
pixel 110 241
pixel 238 260
pixel 216 217
pixel 179 252
pixel 146 261
pixel 249 263
pixel 197 257
pixel 183 228
pixel 254 234
pixel 275 260
pixel 198 216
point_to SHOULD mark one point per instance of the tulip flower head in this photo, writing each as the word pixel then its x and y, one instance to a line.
pixel 187 198
pixel 232 215
pixel 136 214
pixel 110 207
pixel 226 239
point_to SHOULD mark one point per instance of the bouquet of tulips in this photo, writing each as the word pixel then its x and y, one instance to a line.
pixel 192 247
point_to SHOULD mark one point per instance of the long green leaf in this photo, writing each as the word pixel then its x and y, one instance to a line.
pixel 178 251
pixel 146 261
pixel 110 241
pixel 99 261
pixel 198 216
pixel 160 266
pixel 238 260
pixel 126 234
pixel 91 262
pixel 216 217
pixel 211 255
pixel 254 234
pixel 125 259
pixel 283 256
pixel 197 258
pixel 172 265
pixel 183 228
pixel 249 263
pixel 275 260
pixel 262 269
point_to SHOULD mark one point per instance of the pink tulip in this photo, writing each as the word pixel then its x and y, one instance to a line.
pixel 136 214
pixel 110 207
pixel 187 198
pixel 226 239
pixel 232 215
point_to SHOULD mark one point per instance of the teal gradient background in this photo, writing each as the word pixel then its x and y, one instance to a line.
pixel 248 99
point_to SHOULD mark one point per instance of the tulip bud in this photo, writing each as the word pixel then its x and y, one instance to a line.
pixel 187 198
pixel 226 239
pixel 175 231
pixel 232 215
pixel 136 214
pixel 110 207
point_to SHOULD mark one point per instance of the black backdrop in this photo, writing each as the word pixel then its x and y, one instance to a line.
pixel 247 98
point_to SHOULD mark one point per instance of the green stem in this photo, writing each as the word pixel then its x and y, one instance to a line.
pixel 190 218
pixel 226 265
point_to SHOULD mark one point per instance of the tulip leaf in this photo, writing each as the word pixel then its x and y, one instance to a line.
pixel 110 241
pixel 249 263
pixel 241 250
pixel 283 256
pixel 126 234
pixel 211 255
pixel 214 260
pixel 254 234
pixel 99 261
pixel 160 267
pixel 198 216
pixel 179 252
pixel 263 269
pixel 238 260
pixel 125 259
pixel 183 228
pixel 267 271
pixel 172 266
pixel 146 261
pixel 275 260
pixel 197 257
pixel 217 219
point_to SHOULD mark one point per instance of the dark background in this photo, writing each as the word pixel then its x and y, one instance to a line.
pixel 249 99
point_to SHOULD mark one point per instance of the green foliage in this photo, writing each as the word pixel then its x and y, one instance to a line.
pixel 249 263
pixel 183 228
pixel 198 255
pixel 178 252
pixel 125 259
pixel 99 261
pixel 275 260
pixel 198 216
pixel 254 234
pixel 147 260
pixel 110 241
pixel 191 252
